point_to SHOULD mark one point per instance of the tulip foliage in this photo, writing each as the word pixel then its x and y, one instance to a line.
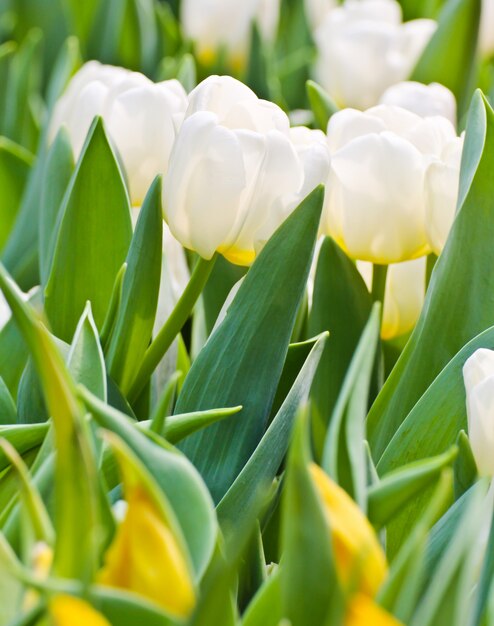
pixel 246 313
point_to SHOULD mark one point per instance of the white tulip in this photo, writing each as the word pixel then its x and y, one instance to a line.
pixel 442 183
pixel 237 171
pixel 424 100
pixel 316 11
pixel 364 48
pixel 226 25
pixel 376 202
pixel 139 116
pixel 478 376
pixel 403 295
pixel 486 35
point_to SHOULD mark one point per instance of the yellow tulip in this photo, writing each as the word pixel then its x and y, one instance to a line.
pixel 69 611
pixel 363 611
pixel 356 547
pixel 145 557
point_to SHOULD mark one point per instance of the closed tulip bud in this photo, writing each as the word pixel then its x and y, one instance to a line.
pixel 67 610
pixel 442 184
pixel 364 48
pixel 403 296
pixel 424 100
pixel 237 171
pixel 363 611
pixel 224 27
pixel 376 203
pixel 145 557
pixel 478 376
pixel 139 116
pixel 486 35
pixel 356 548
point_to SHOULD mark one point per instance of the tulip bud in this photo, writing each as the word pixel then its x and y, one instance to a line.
pixel 237 171
pixel 424 100
pixel 486 34
pixel 403 297
pixel 478 376
pixel 376 202
pixel 356 548
pixel 67 610
pixel 364 48
pixel 363 611
pixel 139 116
pixel 223 26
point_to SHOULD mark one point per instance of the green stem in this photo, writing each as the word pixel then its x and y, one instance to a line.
pixel 379 274
pixel 172 326
pixel 431 262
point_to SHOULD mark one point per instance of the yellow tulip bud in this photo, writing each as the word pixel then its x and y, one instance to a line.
pixel 145 557
pixel 356 547
pixel 69 611
pixel 362 611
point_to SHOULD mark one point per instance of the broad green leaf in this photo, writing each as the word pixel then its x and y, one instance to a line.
pixel 179 426
pixel 85 359
pixel 15 163
pixel 465 468
pixel 175 476
pixel 242 361
pixel 310 590
pixel 321 103
pixel 344 457
pixel 8 411
pixel 341 304
pixel 57 172
pixel 77 522
pixel 23 438
pixel 128 609
pixel 86 259
pixel 260 470
pixel 457 305
pixel 450 56
pixel 430 429
pixel 265 609
pixel 140 288
pixel 394 490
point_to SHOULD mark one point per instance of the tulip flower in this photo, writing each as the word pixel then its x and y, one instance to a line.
pixel 486 35
pixel 224 27
pixel 316 11
pixel 362 611
pixel 378 193
pixel 403 297
pixel 356 547
pixel 237 171
pixel 364 48
pixel 145 558
pixel 139 116
pixel 67 610
pixel 478 376
pixel 424 100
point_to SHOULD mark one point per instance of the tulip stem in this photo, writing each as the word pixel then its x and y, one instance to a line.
pixel 173 325
pixel 379 274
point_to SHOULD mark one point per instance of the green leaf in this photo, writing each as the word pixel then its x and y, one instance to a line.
pixel 137 309
pixel 127 609
pixel 321 103
pixel 265 609
pixel 465 467
pixel 391 493
pixel 341 304
pixel 309 584
pixel 23 438
pixel 430 429
pixel 57 172
pixel 450 56
pixel 260 470
pixel 177 427
pixel 11 590
pixel 243 359
pixel 85 359
pixel 457 305
pixel 86 260
pixel 175 476
pixel 15 164
pixel 8 411
pixel 344 456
